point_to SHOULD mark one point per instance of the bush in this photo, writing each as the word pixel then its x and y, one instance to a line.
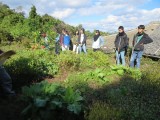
pixel 102 111
pixel 68 60
pixel 5 36
pixel 28 65
pixel 48 101
pixel 71 61
pixel 102 76
pixel 94 59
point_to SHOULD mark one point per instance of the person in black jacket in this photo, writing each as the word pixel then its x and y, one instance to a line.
pixel 139 40
pixel 82 41
pixel 121 42
pixel 5 82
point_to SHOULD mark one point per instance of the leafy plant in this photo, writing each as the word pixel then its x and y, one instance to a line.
pixel 27 67
pixel 46 98
pixel 121 70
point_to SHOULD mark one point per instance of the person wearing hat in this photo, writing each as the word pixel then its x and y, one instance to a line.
pixel 121 42
pixel 139 40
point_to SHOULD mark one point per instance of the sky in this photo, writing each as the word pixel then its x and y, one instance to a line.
pixel 104 15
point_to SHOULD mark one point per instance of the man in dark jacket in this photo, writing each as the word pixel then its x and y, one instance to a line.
pixel 5 82
pixel 121 42
pixel 139 40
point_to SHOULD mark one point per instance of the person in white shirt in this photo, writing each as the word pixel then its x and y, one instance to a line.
pixel 97 41
pixel 82 41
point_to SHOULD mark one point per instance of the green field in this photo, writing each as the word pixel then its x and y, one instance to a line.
pixel 78 86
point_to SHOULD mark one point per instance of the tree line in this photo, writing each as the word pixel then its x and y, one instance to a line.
pixel 14 26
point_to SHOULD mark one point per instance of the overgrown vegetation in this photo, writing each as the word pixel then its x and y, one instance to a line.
pixel 108 91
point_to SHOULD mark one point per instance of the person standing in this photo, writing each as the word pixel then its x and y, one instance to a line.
pixel 97 41
pixel 61 38
pixel 46 41
pixel 121 42
pixel 5 82
pixel 139 40
pixel 57 44
pixel 82 41
pixel 75 42
pixel 66 41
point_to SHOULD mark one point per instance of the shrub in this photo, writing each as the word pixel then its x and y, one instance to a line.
pixel 95 59
pixel 68 60
pixel 27 65
pixel 101 76
pixel 46 100
pixel 71 61
pixel 103 111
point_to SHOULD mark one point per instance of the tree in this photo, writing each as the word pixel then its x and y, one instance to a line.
pixel 80 26
pixel 32 13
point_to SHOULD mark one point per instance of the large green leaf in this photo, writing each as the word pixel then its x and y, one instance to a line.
pixel 120 72
pixel 40 102
pixel 101 75
pixel 75 108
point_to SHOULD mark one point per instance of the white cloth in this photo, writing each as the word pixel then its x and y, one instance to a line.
pixel 65 47
pixel 75 48
pixel 82 38
pixel 46 40
pixel 98 44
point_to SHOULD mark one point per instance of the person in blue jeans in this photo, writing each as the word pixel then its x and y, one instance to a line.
pixel 139 40
pixel 82 41
pixel 121 41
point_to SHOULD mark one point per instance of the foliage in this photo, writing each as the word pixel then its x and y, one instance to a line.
pixel 14 23
pixel 68 60
pixel 102 111
pixel 45 99
pixel 71 61
pixel 5 36
pixel 102 75
pixel 97 59
pixel 34 63
pixel 27 67
pixel 121 70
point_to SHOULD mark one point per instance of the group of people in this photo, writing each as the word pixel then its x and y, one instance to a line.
pixel 122 42
pixel 78 42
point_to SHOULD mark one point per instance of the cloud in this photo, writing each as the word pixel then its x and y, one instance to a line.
pixel 105 15
pixel 61 14
pixel 74 3
pixel 66 3
pixel 104 7
pixel 129 21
